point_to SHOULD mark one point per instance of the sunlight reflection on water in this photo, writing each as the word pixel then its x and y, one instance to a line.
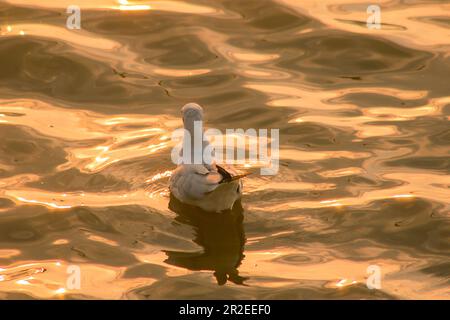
pixel 86 117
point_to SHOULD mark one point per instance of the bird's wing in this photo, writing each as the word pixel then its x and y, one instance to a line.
pixel 208 175
pixel 224 173
pixel 194 181
pixel 227 176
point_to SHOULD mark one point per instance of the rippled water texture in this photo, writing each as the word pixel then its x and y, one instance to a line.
pixel 85 123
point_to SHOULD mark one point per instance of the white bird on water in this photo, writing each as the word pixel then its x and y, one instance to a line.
pixel 208 186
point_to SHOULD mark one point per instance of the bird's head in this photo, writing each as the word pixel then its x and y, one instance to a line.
pixel 192 112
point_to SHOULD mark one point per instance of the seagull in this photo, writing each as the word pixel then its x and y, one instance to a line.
pixel 209 186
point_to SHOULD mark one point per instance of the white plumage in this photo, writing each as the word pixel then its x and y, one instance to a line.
pixel 211 187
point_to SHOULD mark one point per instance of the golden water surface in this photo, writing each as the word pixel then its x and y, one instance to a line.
pixel 85 123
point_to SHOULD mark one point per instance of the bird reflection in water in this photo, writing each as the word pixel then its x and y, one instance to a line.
pixel 221 235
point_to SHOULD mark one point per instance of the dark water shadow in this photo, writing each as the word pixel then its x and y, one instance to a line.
pixel 222 237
